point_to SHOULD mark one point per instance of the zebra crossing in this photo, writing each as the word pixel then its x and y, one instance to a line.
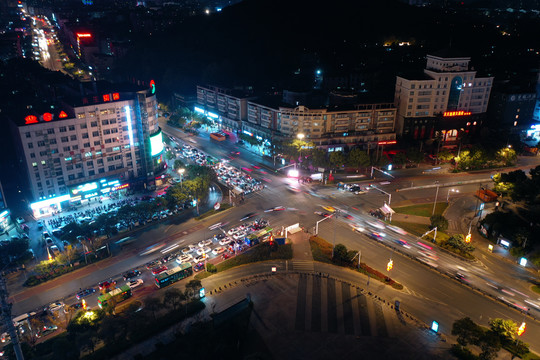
pixel 327 305
pixel 303 265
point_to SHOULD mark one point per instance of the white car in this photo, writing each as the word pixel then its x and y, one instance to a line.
pixel 204 250
pixel 205 243
pixel 224 241
pixel 239 235
pixel 135 283
pixel 56 306
pixel 188 249
pixel 200 259
pixel 184 258
pixel 218 250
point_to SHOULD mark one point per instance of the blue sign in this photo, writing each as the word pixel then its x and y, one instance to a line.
pixel 201 293
pixel 435 326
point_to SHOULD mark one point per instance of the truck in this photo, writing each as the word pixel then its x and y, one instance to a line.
pixel 486 195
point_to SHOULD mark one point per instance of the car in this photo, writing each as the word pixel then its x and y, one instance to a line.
pixel 201 258
pixel 224 241
pixel 205 243
pixel 239 235
pixel 403 243
pixel 106 285
pixel 277 208
pixel 247 216
pixel 135 283
pixel 131 274
pixel 184 258
pixel 330 209
pixel 40 225
pixel 55 251
pixel 159 269
pixel 55 306
pixel 461 277
pixel 25 227
pixel 45 235
pixel 76 306
pixel 188 249
pixel 323 214
pixel 204 250
pixel 20 220
pixel 198 267
pixel 84 293
pixel 49 242
pixel 218 250
pixel 153 264
pixel 57 232
pixel 377 236
pixel 46 330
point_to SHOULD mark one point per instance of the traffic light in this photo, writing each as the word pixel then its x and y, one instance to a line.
pixel 521 329
pixel 390 265
pixel 468 238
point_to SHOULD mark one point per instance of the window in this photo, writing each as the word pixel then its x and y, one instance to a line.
pixel 81 116
pixel 32 156
pixel 110 158
pixel 50 131
pixel 118 157
pixel 105 122
pixel 28 135
pixel 106 132
pixel 114 130
pixel 67 148
pixel 62 129
pixel 40 143
pixel 34 164
pixel 30 145
pixel 91 173
pixel 95 133
pixel 43 153
pixel 112 121
pixel 101 170
pixel 83 126
pixel 71 128
pixel 97 143
pixel 64 139
pixel 86 145
pixel 71 177
pixel 78 166
pixel 73 137
pixel 93 124
pixel 90 164
pixel 412 86
pixel 52 141
pixel 100 161
pixel 39 184
pixel 85 135
pixel 108 141
pixel 112 167
pixel 75 147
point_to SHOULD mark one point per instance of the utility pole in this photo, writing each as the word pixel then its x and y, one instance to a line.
pixel 435 201
pixel 6 317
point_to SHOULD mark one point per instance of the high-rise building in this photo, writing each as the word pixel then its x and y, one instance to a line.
pixel 90 147
pixel 447 97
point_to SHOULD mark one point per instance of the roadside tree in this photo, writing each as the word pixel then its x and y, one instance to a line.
pixel 438 221
pixel 358 158
pixel 173 297
pixel 337 159
pixel 467 331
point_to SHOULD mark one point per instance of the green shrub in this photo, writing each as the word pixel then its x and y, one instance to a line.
pixel 439 221
pixel 211 268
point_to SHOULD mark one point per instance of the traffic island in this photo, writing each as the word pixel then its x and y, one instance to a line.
pixel 322 251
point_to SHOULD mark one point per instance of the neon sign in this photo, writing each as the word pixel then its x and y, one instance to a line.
pixel 456 113
pixel 84 35
pixel 47 117
pixel 387 142
pixel 111 97
pixel 31 119
pixel 153 86
pixel 62 115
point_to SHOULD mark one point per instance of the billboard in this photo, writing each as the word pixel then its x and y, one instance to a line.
pixel 156 143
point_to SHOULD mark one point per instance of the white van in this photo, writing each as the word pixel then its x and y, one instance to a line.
pixel 19 319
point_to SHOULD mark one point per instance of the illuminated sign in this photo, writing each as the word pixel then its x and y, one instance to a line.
pixel 111 97
pixel 456 113
pixel 390 142
pixel 31 119
pixel 153 86
pixel 84 188
pixel 84 35
pixel 62 115
pixel 130 126
pixel 47 117
pixel 156 144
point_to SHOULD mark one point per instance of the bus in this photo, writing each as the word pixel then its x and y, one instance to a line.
pixel 119 294
pixel 173 275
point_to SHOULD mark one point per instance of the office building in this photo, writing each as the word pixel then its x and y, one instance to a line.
pixel 448 97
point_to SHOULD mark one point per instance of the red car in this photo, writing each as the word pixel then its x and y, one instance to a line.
pixel 105 285
pixel 158 270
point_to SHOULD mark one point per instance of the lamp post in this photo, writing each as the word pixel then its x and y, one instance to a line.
pixel 435 201
pixel 181 173
pixel 300 137
pixel 448 194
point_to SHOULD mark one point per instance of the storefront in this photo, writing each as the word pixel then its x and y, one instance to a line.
pixel 102 190
pixel 5 220
pixel 50 206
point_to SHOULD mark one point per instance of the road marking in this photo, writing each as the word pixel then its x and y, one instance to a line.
pixel 168 228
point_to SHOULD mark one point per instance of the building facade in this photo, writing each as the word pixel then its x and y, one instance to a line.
pixel 230 105
pixel 101 144
pixel 447 97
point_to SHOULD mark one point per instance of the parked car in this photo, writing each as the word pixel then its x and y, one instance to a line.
pixel 218 250
pixel 204 250
pixel 184 258
pixel 55 306
pixel 198 267
pixel 106 285
pixel 20 220
pixel 205 243
pixel 54 250
pixel 188 249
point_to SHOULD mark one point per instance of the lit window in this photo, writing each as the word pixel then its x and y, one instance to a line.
pixel 34 164
pixel 43 162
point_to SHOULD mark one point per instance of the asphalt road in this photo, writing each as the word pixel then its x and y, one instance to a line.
pixel 430 295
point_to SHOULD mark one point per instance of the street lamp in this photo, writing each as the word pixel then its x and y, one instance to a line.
pixel 448 194
pixel 300 136
pixel 181 173
pixel 435 201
